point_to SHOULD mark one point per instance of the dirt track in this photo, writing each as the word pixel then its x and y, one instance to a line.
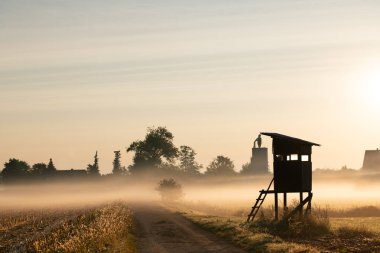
pixel 162 231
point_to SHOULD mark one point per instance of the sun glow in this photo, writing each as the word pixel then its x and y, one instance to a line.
pixel 370 90
pixel 373 86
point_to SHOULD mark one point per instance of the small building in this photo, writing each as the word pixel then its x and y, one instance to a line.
pixel 371 161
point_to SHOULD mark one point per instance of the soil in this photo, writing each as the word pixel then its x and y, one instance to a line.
pixel 159 230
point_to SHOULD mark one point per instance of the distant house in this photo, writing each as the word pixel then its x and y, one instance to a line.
pixel 371 160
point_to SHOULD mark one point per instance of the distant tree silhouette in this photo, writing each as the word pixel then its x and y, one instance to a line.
pixel 15 170
pixel 93 169
pixel 221 166
pixel 117 169
pixel 187 161
pixel 150 152
pixel 39 169
pixel 246 169
pixel 51 169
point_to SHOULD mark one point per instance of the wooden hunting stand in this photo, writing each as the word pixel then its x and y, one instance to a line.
pixel 292 169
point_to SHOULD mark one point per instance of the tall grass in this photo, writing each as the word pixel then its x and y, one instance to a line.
pixel 305 227
pixel 102 230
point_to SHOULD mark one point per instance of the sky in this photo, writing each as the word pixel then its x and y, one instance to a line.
pixel 83 76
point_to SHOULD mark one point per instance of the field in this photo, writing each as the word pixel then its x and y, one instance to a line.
pixel 371 224
pixel 112 228
pixel 320 233
pixel 342 237
pixel 102 228
pixel 208 218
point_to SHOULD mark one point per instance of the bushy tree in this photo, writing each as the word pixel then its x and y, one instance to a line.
pixel 187 161
pixel 15 169
pixel 170 190
pixel 246 169
pixel 93 169
pixel 153 150
pixel 39 168
pixel 221 166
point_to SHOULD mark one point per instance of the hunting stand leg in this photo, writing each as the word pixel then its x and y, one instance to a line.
pixel 285 204
pixel 301 210
pixel 276 206
pixel 308 207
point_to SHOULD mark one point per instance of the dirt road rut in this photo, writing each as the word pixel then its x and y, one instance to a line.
pixel 162 231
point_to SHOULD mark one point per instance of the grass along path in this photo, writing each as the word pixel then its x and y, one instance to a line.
pixel 315 237
pixel 237 232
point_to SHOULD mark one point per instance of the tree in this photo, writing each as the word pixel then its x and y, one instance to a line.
pixel 14 170
pixel 187 161
pixel 39 168
pixel 222 166
pixel 169 190
pixel 93 169
pixel 51 169
pixel 150 152
pixel 246 169
pixel 117 169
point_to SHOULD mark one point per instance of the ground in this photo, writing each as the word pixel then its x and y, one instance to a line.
pixel 159 230
pixel 155 227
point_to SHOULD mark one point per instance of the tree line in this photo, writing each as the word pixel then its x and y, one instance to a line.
pixel 155 154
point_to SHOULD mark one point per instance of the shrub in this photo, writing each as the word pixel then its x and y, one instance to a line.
pixel 169 190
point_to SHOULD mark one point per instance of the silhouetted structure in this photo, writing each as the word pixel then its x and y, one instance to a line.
pixel 371 160
pixel 259 161
pixel 292 169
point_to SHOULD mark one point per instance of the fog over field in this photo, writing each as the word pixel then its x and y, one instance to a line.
pixel 235 193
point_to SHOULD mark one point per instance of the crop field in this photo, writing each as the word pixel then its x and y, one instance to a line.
pixel 112 227
pixel 102 228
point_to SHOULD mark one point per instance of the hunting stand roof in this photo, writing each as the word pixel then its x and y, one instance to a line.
pixel 289 138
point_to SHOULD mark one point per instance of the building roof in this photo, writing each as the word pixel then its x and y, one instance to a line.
pixel 289 138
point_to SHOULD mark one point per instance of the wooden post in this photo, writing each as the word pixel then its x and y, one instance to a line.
pixel 285 204
pixel 309 205
pixel 301 199
pixel 276 206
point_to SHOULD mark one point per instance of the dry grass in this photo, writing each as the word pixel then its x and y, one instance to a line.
pixel 371 224
pixel 98 229
pixel 239 233
pixel 315 233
